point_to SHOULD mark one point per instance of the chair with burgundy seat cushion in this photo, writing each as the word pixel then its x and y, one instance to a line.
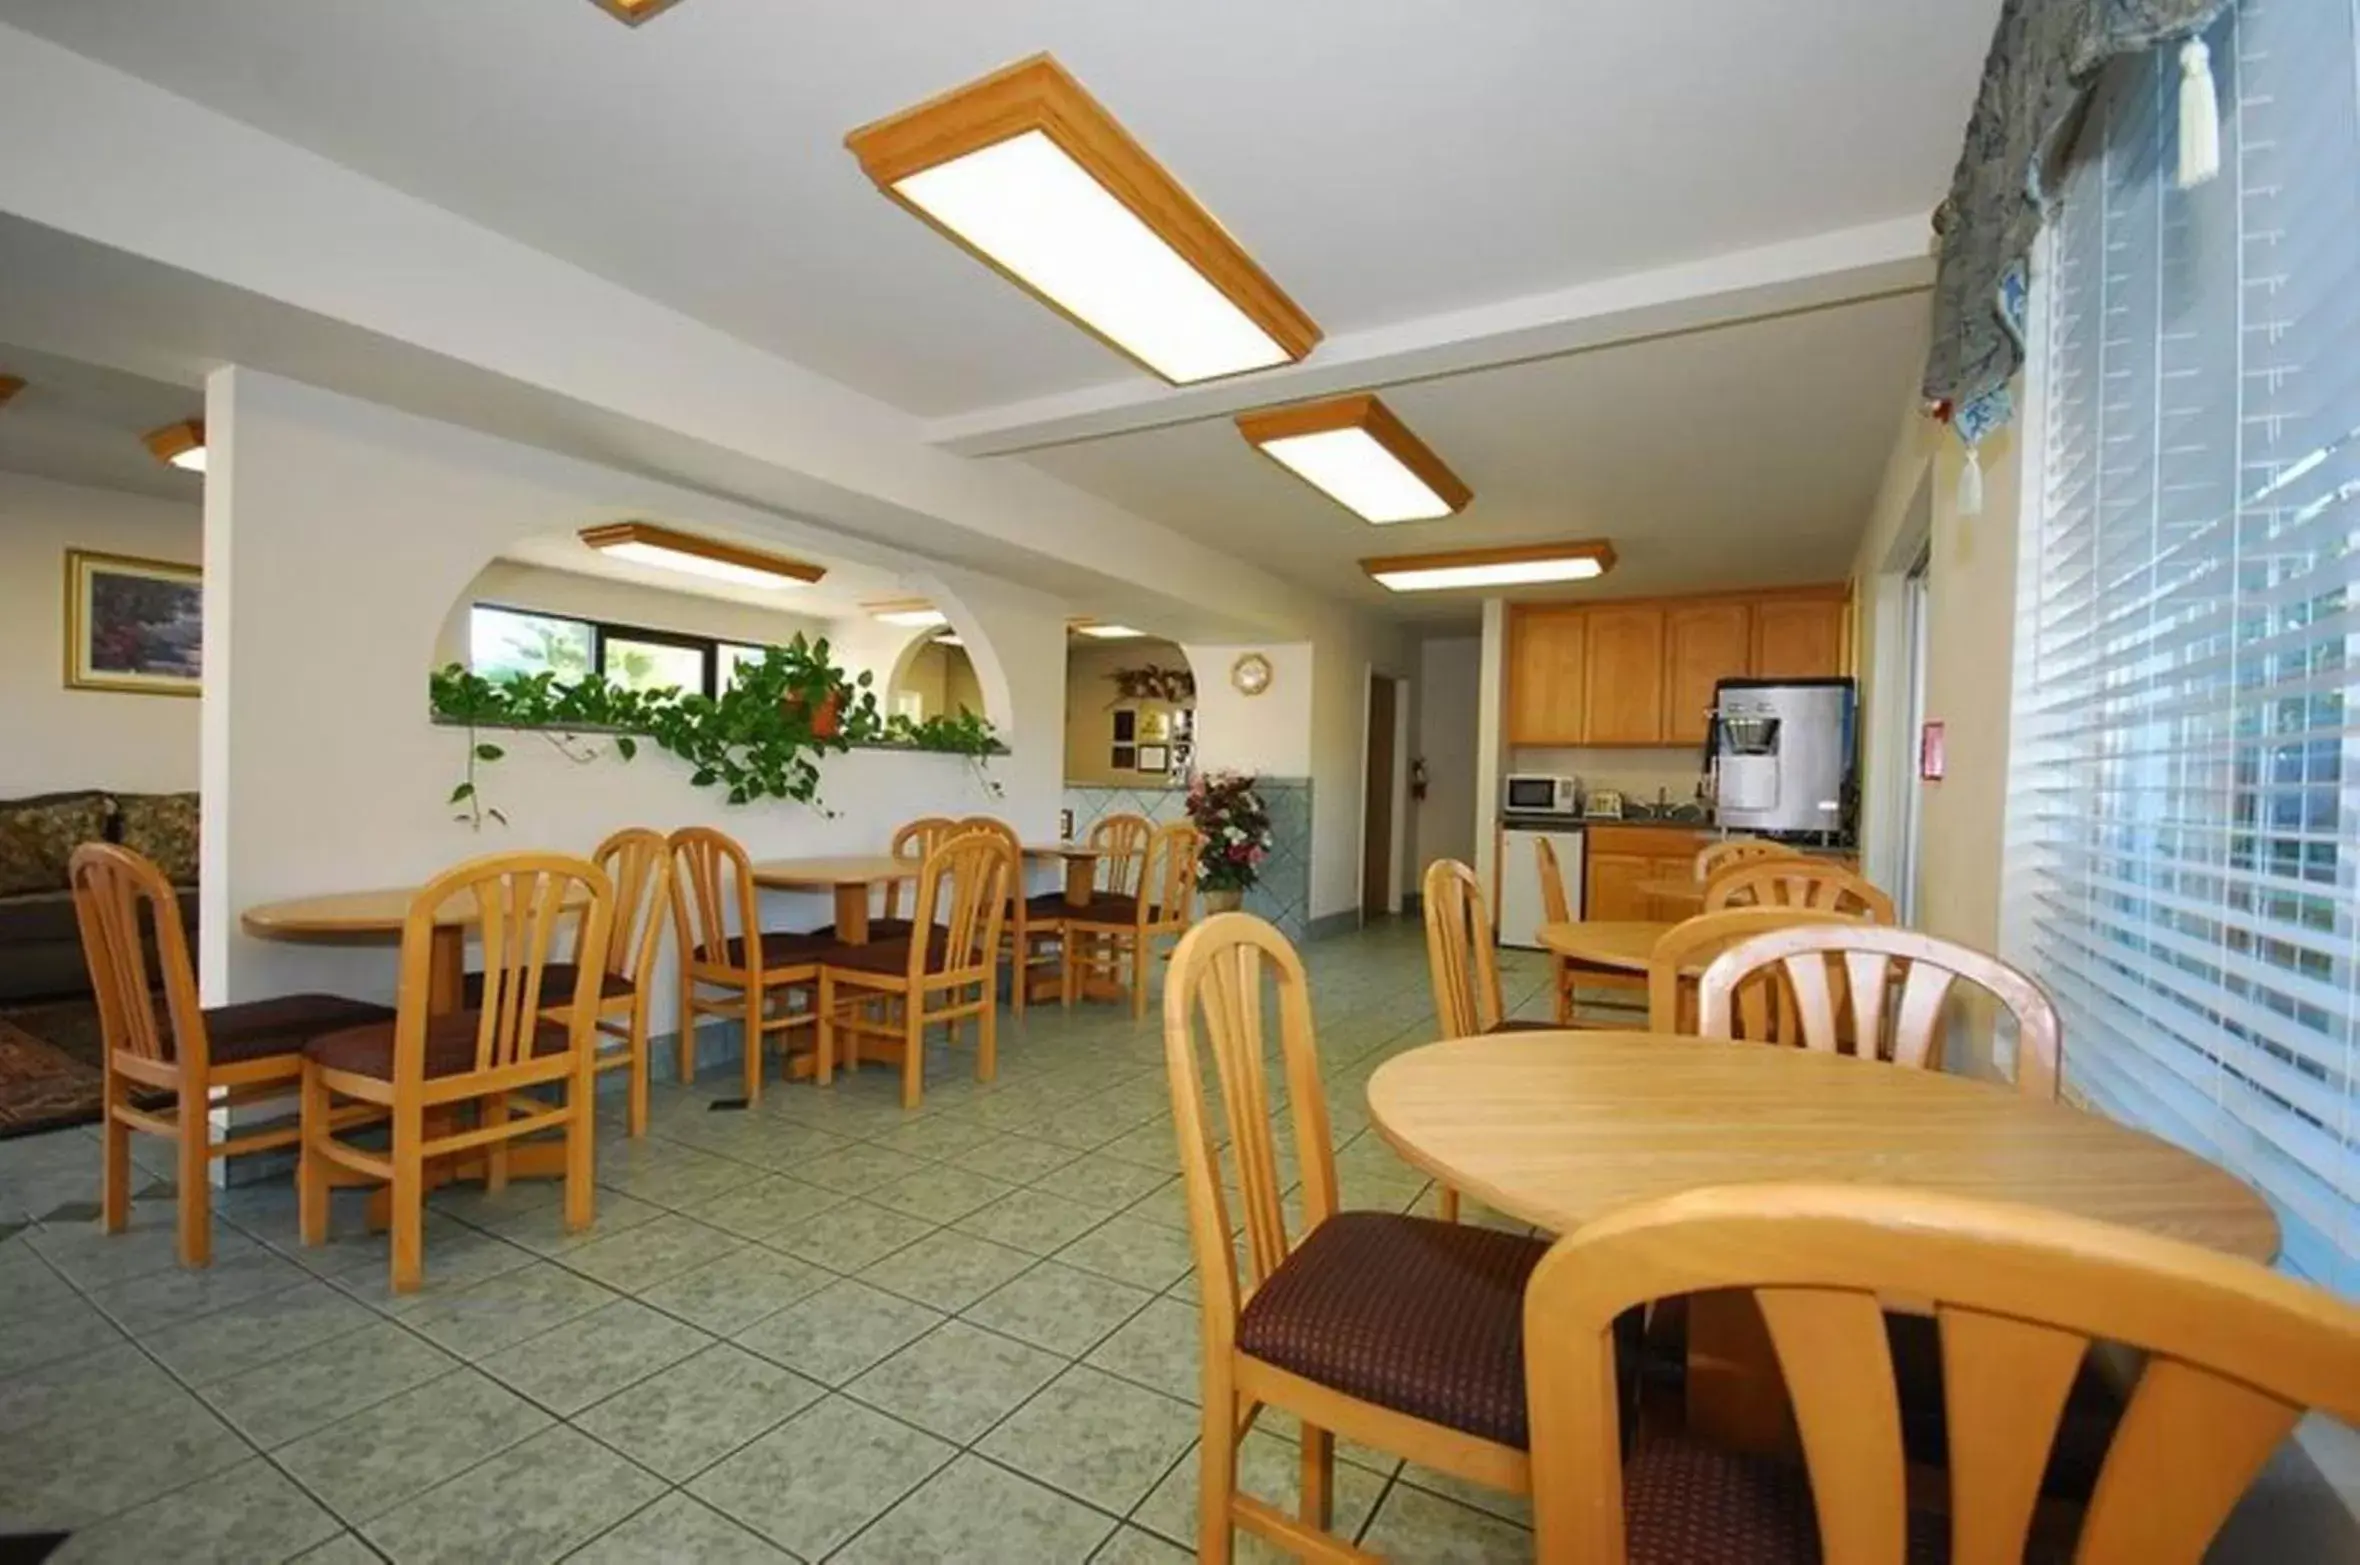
pixel 889 995
pixel 712 890
pixel 1464 970
pixel 912 841
pixel 1034 930
pixel 421 1071
pixel 1116 934
pixel 1399 1332
pixel 220 1055
pixel 1522 1024
pixel 2234 1354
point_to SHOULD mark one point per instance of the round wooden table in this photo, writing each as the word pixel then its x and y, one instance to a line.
pixel 373 917
pixel 1604 942
pixel 1081 867
pixel 1682 896
pixel 1559 1128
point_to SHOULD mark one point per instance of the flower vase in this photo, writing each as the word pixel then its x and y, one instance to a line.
pixel 1223 900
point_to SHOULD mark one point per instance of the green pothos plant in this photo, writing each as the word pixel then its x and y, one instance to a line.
pixel 761 738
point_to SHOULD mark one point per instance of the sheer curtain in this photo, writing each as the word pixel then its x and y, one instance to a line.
pixel 2184 825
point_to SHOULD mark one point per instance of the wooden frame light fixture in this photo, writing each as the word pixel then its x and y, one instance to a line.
pixel 1028 172
pixel 909 613
pixel 645 543
pixel 1523 566
pixel 633 12
pixel 10 385
pixel 1354 451
pixel 180 445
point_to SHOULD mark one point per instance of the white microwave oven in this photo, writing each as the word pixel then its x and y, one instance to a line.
pixel 1536 793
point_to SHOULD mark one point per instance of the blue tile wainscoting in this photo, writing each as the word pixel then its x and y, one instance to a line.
pixel 1284 894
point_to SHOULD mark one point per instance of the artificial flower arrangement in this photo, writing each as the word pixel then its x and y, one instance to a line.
pixel 1236 827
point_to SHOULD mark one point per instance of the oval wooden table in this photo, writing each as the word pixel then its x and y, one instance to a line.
pixel 1559 1128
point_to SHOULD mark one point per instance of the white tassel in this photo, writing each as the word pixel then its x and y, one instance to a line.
pixel 1970 485
pixel 2200 116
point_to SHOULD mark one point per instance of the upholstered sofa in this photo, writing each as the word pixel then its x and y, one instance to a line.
pixel 40 947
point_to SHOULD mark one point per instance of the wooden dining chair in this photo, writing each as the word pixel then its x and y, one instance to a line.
pixel 1121 844
pixel 1798 882
pixel 639 864
pixel 535 913
pixel 2234 1355
pixel 168 1047
pixel 1111 943
pixel 891 991
pixel 1761 1009
pixel 1572 975
pixel 1400 1332
pixel 763 973
pixel 1881 993
pixel 1462 964
pixel 1034 931
pixel 1730 852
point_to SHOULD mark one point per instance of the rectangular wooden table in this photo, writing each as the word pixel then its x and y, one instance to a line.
pixel 1081 867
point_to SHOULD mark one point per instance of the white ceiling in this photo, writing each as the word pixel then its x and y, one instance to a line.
pixel 1384 159
pixel 76 423
pixel 1746 455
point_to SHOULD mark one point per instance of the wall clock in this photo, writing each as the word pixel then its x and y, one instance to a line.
pixel 1251 674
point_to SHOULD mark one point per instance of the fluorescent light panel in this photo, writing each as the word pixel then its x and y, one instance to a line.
pixel 1522 567
pixel 1023 168
pixel 1110 632
pixel 181 445
pixel 916 619
pixel 644 543
pixel 1357 453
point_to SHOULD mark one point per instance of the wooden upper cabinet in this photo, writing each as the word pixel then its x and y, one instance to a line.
pixel 1799 638
pixel 1623 682
pixel 1705 643
pixel 1546 656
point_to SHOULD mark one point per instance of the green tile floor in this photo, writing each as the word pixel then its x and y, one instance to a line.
pixel 822 1329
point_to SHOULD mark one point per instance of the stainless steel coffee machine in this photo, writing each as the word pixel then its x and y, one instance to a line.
pixel 1781 756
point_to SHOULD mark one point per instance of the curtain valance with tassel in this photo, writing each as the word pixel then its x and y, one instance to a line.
pixel 2044 57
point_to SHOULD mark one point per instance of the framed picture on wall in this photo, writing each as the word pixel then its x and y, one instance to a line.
pixel 1154 727
pixel 133 625
pixel 1123 757
pixel 1154 758
pixel 1126 726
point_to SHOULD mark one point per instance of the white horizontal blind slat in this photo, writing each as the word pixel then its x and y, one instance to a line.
pixel 2183 841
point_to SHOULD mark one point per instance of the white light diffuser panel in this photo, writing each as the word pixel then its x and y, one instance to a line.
pixel 646 543
pixel 1527 566
pixel 1028 171
pixel 1360 475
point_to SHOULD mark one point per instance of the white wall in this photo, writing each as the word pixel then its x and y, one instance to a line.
pixel 53 738
pixel 1345 653
pixel 511 584
pixel 1450 673
pixel 1269 734
pixel 321 767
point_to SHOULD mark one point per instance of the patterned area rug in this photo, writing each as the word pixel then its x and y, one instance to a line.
pixel 48 1067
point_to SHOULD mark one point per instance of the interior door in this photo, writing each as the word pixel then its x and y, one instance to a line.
pixel 1376 816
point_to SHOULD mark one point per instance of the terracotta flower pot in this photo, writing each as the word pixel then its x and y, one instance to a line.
pixel 828 721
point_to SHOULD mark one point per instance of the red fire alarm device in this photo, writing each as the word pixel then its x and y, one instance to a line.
pixel 1930 753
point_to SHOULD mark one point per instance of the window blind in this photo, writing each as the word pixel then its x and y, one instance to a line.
pixel 2184 803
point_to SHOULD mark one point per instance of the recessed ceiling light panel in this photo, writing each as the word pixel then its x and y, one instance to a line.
pixel 645 543
pixel 1353 450
pixel 1029 172
pixel 1528 566
pixel 914 618
pixel 1111 632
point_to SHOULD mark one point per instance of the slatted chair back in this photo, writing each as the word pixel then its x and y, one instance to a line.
pixel 1761 1009
pixel 638 862
pixel 1798 882
pixel 912 842
pixel 120 898
pixel 2236 1353
pixel 1460 961
pixel 1730 852
pixel 530 909
pixel 1121 841
pixel 1167 879
pixel 1555 908
pixel 1882 991
pixel 1216 991
pixel 961 909
pixel 712 884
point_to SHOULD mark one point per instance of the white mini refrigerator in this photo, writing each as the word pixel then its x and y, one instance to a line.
pixel 1522 912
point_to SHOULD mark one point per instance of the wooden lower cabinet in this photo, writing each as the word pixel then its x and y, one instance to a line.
pixel 1614 885
pixel 1620 859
